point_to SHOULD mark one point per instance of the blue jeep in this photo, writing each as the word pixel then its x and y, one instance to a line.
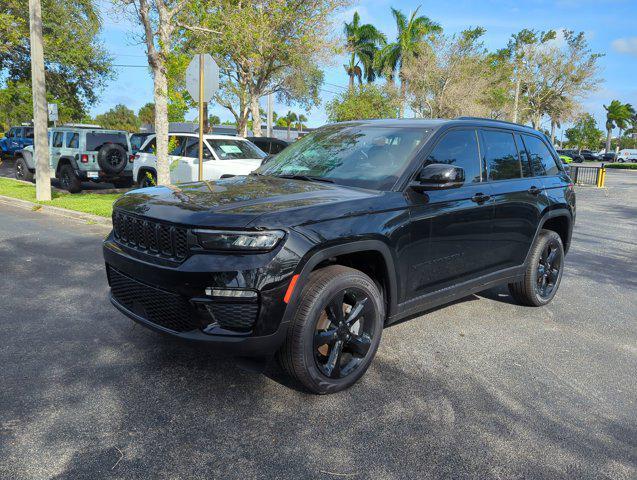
pixel 16 139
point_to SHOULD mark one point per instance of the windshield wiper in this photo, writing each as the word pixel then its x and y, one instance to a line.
pixel 306 178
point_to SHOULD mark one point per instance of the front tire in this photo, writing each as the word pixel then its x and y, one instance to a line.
pixel 543 273
pixel 336 330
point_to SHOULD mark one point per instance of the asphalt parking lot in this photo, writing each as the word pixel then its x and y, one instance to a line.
pixel 479 389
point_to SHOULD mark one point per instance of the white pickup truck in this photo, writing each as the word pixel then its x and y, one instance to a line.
pixel 223 155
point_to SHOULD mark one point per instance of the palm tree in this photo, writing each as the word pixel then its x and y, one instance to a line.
pixel 411 33
pixel 361 42
pixel 290 118
pixel 301 119
pixel 618 114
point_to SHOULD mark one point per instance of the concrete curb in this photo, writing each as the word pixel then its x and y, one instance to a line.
pixel 62 212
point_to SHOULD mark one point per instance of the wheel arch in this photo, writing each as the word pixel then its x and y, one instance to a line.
pixel 357 255
pixel 142 171
pixel 559 220
pixel 65 161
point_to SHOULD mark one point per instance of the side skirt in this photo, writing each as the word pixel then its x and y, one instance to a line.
pixel 455 292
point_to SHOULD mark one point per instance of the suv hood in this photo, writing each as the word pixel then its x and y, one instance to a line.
pixel 238 201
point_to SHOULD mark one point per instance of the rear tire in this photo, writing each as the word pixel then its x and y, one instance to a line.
pixel 325 350
pixel 68 179
pixel 22 170
pixel 543 272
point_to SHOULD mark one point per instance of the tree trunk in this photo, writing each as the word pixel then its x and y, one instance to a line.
pixel 256 115
pixel 619 141
pixel 206 120
pixel 516 100
pixel 403 96
pixel 161 124
pixel 609 135
pixel 351 81
pixel 553 125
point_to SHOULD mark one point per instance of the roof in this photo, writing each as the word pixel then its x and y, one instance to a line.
pixel 207 136
pixel 435 123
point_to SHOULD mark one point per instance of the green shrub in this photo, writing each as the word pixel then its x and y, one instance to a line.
pixel 622 166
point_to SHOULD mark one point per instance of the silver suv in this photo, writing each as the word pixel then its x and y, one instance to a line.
pixel 82 153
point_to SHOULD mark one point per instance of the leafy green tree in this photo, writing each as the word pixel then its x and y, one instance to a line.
pixel 362 42
pixel 618 114
pixel 364 102
pixel 267 47
pixel 290 119
pixel 77 64
pixel 411 33
pixel 146 114
pixel 214 120
pixel 520 47
pixel 119 117
pixel 584 133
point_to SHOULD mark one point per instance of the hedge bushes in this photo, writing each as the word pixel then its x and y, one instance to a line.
pixel 622 166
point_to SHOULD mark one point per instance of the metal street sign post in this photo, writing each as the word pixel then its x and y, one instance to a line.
pixel 202 82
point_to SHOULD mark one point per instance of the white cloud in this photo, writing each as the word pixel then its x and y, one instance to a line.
pixel 626 45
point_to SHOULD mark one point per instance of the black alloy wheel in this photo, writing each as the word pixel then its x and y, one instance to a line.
pixel 549 267
pixel 22 171
pixel 114 158
pixel 543 272
pixel 335 330
pixel 344 333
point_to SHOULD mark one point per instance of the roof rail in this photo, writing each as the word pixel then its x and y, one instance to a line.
pixel 492 120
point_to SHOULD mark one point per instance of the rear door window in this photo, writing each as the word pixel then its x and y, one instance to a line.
pixel 28 132
pixel 176 145
pixel 95 140
pixel 72 140
pixel 57 139
pixel 501 155
pixel 541 158
pixel 460 149
pixel 149 147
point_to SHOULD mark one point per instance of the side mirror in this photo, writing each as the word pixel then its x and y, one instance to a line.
pixel 439 176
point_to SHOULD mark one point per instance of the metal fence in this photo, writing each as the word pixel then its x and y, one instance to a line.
pixel 586 175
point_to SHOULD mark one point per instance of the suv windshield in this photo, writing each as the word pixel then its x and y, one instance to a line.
pixel 355 155
pixel 235 150
pixel 95 140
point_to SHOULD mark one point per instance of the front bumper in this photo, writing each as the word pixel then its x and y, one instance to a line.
pixel 171 297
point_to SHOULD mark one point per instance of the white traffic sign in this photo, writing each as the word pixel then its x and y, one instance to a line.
pixel 210 78
pixel 53 112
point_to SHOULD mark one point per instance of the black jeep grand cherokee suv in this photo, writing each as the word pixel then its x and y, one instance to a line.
pixel 353 227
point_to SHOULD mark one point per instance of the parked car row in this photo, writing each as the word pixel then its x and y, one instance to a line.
pixel 89 153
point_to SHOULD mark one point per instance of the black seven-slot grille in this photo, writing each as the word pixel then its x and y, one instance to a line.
pixel 150 236
pixel 163 308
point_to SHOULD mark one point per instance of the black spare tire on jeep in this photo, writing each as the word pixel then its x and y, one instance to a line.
pixel 112 158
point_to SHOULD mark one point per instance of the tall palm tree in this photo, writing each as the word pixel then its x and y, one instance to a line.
pixel 301 120
pixel 392 57
pixel 362 43
pixel 290 119
pixel 618 114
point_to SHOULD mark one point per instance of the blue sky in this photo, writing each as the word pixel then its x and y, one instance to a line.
pixel 610 27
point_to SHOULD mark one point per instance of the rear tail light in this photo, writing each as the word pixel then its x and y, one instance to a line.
pixel 131 158
pixel 84 158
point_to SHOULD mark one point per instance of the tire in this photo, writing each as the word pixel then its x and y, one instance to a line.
pixel 543 273
pixel 144 181
pixel 325 351
pixel 22 170
pixel 68 179
pixel 621 160
pixel 112 158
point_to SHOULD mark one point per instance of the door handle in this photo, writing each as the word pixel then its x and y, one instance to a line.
pixel 480 198
pixel 534 190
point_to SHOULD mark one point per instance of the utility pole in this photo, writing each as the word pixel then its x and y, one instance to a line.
pixel 270 132
pixel 40 109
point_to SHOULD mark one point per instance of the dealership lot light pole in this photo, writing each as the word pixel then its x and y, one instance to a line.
pixel 40 123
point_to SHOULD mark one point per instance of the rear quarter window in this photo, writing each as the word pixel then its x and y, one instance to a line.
pixel 95 140
pixel 541 158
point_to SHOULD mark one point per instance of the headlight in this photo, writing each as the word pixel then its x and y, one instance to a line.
pixel 229 240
